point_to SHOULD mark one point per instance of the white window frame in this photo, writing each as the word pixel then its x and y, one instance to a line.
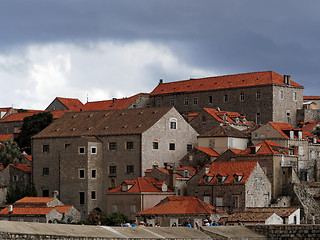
pixel 173 124
pixel 96 150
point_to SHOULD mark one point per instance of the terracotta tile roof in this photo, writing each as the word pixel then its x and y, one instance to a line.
pixel 140 185
pixel 225 116
pixel 28 157
pixel 191 170
pixel 27 210
pixel 281 211
pixel 208 151
pixel 63 209
pixel 4 137
pixel 309 126
pixel 18 117
pixel 23 167
pixel 35 200
pixel 228 170
pixel 112 122
pixel 222 82
pixel 280 127
pixel 192 114
pixel 58 113
pixel 311 97
pixel 249 217
pixel 121 103
pixel 1 167
pixel 235 151
pixel 180 205
pixel 224 131
pixel 266 147
pixel 71 103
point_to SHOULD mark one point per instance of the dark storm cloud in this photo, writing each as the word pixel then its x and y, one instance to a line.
pixel 226 36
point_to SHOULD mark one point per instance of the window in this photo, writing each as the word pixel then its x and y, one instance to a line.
pixel 288 117
pixel 45 193
pixel 113 169
pixel 45 148
pixel 81 150
pixel 159 103
pixel 93 150
pixel 171 102
pixel 206 199
pixel 114 208
pixel 210 100
pixel 173 123
pixel 93 195
pixel 45 171
pixel 155 145
pixel 235 201
pixel 281 95
pixel 130 169
pixel 226 98
pixel 257 183
pixel 211 143
pixel 258 118
pixel 294 97
pixel 112 146
pixel 242 97
pixel 195 100
pixel 66 145
pixel 189 147
pixel 132 208
pixel 81 197
pixel 15 178
pixel 219 201
pixel 129 145
pixel 172 146
pixel 93 173
pixel 186 101
pixel 81 173
pixel 258 95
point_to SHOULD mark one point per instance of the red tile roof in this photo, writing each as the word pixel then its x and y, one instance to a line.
pixel 222 82
pixel 229 170
pixel 1 167
pixel 180 205
pixel 71 103
pixel 230 116
pixel 208 151
pixel 35 200
pixel 27 210
pixel 4 137
pixel 18 117
pixel 281 211
pixel 280 127
pixel 311 97
pixel 63 209
pixel 141 185
pixel 58 113
pixel 249 217
pixel 23 167
pixel 28 157
pixel 266 147
pixel 235 151
pixel 309 126
pixel 121 103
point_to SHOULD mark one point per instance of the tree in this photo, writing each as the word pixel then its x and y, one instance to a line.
pixel 9 150
pixel 16 193
pixel 31 126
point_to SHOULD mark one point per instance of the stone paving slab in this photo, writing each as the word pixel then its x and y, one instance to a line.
pixel 233 232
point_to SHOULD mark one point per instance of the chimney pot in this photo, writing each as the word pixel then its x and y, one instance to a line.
pixel 160 81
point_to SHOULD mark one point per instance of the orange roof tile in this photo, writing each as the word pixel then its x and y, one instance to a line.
pixel 58 113
pixel 23 167
pixel 71 103
pixel 121 103
pixel 235 151
pixel 180 205
pixel 266 147
pixel 63 209
pixel 309 126
pixel 208 151
pixel 311 97
pixel 4 137
pixel 15 117
pixel 281 211
pixel 1 167
pixel 140 185
pixel 230 116
pixel 280 127
pixel 222 82
pixel 35 200
pixel 27 211
pixel 28 157
pixel 228 170
pixel 249 217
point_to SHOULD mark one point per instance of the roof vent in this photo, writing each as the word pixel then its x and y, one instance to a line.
pixel 125 126
pixel 74 116
pixel 105 114
pixel 57 129
pixel 89 128
pixel 90 115
pixel 139 126
pixel 154 112
pixel 121 114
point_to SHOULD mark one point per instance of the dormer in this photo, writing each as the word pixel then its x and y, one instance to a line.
pixel 300 134
pixel 164 187
pixel 244 120
pixel 237 177
pixel 254 149
pixel 237 120
pixel 125 187
pixel 291 134
pixel 221 178
pixel 186 174
pixel 314 140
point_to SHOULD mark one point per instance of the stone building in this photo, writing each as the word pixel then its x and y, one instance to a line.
pixel 16 175
pixel 180 211
pixel 209 118
pixel 260 96
pixel 198 157
pixel 40 209
pixel 136 195
pixel 232 186
pixel 83 154
pixel 69 104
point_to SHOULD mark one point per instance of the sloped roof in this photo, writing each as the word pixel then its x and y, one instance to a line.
pixel 309 126
pixel 222 82
pixel 35 200
pixel 17 117
pixel 58 113
pixel 4 137
pixel 27 210
pixel 228 116
pixel 235 151
pixel 121 103
pixel 180 205
pixel 28 157
pixel 280 127
pixel 71 103
pixel 23 167
pixel 229 170
pixel 63 209
pixel 311 97
pixel 281 211
pixel 112 122
pixel 208 151
pixel 266 147
pixel 225 131
pixel 163 170
pixel 249 216
pixel 140 185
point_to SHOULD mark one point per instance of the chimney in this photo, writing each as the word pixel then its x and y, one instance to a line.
pixel 10 209
pixel 55 194
pixel 286 79
pixel 172 179
pixel 161 81
pixel 114 100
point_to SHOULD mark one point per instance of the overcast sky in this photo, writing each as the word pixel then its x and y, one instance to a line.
pixel 104 48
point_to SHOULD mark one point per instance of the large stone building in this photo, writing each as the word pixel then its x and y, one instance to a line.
pixel 84 154
pixel 260 96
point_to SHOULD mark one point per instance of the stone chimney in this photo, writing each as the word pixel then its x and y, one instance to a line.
pixel 172 179
pixel 286 79
pixel 160 81
pixel 10 209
